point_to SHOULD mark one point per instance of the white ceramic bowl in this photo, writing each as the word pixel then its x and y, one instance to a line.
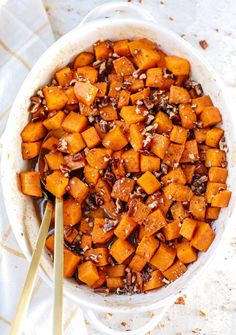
pixel 130 22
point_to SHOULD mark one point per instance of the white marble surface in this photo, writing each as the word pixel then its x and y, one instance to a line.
pixel 210 306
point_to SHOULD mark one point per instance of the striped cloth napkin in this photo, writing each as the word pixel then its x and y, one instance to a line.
pixel 25 33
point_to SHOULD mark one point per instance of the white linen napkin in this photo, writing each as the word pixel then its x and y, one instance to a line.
pixel 25 33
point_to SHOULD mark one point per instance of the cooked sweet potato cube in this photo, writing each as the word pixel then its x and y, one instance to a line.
pixel 99 234
pixel 174 176
pixel 83 59
pixel 75 123
pixel 188 228
pixel 136 84
pixel 50 243
pixel 55 121
pixel 189 172
pixel 88 110
pixel 115 271
pixel 122 189
pixel 91 174
pixel 78 189
pixel 118 166
pixel 102 89
pixel 103 190
pixel 203 237
pixel 71 143
pixel 155 281
pixel 173 154
pixel 85 226
pixel 121 47
pixel 135 136
pixel 72 100
pixel 162 63
pixel 137 263
pixel 55 97
pixel 115 89
pixel 132 114
pixel 213 189
pixel 56 184
pixel 123 99
pixel 212 213
pixel 98 255
pixel 155 221
pixel 171 230
pixel 141 43
pixel 50 143
pixel 108 113
pixel 164 124
pixel 72 213
pixel 71 262
pixel 178 134
pixel 146 58
pixel 178 192
pixel 86 242
pixel 33 132
pixel 114 283
pixel 221 199
pixel 200 134
pixel 147 247
pixel 125 227
pixel 30 183
pixel 54 160
pixel 190 153
pixel 159 145
pixel 217 174
pixel 178 211
pixel 123 66
pixel 98 157
pixel 149 183
pixel 164 257
pixel 198 207
pixel 115 77
pixel 201 102
pixel 141 95
pixel 179 95
pixel 155 79
pixel 175 271
pixel 64 76
pixel 30 150
pixel 187 115
pixel 121 250
pixel 149 163
pixel 115 139
pixel 103 50
pixel 87 72
pixel 210 116
pixel 102 279
pixel 88 273
pixel 177 65
pixel 91 137
pixel 214 136
pixel 85 92
pixel 131 160
pixel 160 201
pixel 186 253
pixel 215 157
pixel 138 211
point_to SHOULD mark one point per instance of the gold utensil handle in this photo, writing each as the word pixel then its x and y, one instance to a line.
pixel 31 276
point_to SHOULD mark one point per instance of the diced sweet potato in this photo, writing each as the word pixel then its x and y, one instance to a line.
pixel 137 263
pixel 114 283
pixel 189 172
pixel 102 89
pixel 115 271
pixel 91 174
pixel 132 114
pixel 98 157
pixel 103 50
pixel 175 271
pixel 85 92
pixel 186 253
pixel 217 174
pixel 210 116
pixel 33 132
pixel 54 160
pixel 78 189
pixel 141 43
pixel 99 233
pixel 74 123
pixel 88 273
pixel 214 136
pixel 55 97
pixel 160 201
pixel 155 281
pixel 30 183
pixel 164 124
pixel 88 72
pixel 86 242
pixel 173 154
pixel 146 58
pixel 123 66
pixel 71 262
pixel 159 145
pixel 55 121
pixel 149 163
pixel 72 213
pixel 122 189
pixel 125 227
pixel 171 230
pixel 174 176
pixel 83 59
pixel 200 134
pixel 101 280
pixel 213 189
pixel 136 84
pixel 141 95
pixel 155 221
pixel 149 183
pixel 50 143
pixel 178 211
pixel 190 153
pixel 115 77
pixel 30 150
pixel 156 79
pixel 138 211
pixel 115 139
pixel 64 76
pixel 88 110
pixel 98 255
pixel 97 213
pixel 135 136
pixel 198 207
pixel 215 157
pixel 147 247
pixel 178 134
pixel 121 250
pixel 179 95
pixel 121 47
pixel 221 199
pixel 164 257
pixel 188 228
pixel 72 101
pixel 212 213
pixel 201 102
pixel 115 89
pixel 91 137
pixel 178 192
pixel 203 237
pixel 85 226
pixel 56 184
pixel 177 65
pixel 131 160
pixel 108 113
pixel 71 143
pixel 123 99
pixel 187 115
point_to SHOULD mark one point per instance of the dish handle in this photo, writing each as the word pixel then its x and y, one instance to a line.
pixel 118 10
pixel 155 317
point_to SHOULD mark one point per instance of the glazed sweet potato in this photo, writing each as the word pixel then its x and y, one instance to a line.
pixel 175 271
pixel 33 132
pixel 203 237
pixel 164 124
pixel 147 247
pixel 72 213
pixel 121 250
pixel 91 137
pixel 55 97
pixel 177 65
pixel 30 150
pixel 186 253
pixel 115 139
pixel 64 76
pixel 188 228
pixel 75 123
pixel 85 92
pixel 131 160
pixel 98 157
pixel 178 192
pixel 56 184
pixel 159 145
pixel 164 257
pixel 172 229
pixel 78 189
pixel 88 273
pixel 122 189
pixel 125 227
pixel 155 281
pixel 30 183
pixel 155 221
pixel 149 183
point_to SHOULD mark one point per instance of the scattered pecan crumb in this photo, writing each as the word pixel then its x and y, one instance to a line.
pixel 202 313
pixel 203 44
pixel 180 300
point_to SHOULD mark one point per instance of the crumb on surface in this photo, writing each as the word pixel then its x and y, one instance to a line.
pixel 203 44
